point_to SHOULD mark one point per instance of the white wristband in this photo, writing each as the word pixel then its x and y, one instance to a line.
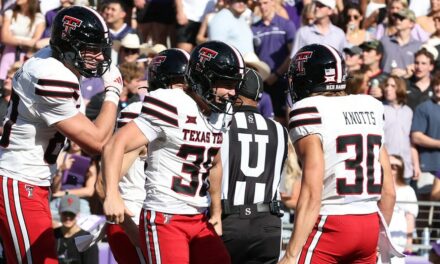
pixel 112 96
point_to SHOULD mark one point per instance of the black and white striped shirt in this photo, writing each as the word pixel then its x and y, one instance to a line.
pixel 253 155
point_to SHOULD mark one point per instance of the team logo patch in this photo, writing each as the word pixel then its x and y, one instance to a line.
pixel 30 190
pixel 330 75
pixel 70 23
pixel 300 58
pixel 206 54
pixel 158 60
pixel 191 120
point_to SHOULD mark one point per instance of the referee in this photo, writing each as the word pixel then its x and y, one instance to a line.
pixel 253 155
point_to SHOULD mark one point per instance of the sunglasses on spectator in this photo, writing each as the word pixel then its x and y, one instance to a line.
pixel 397 16
pixel 356 17
pixel 130 51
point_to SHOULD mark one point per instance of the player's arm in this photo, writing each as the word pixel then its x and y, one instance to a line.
pixel 388 194
pixel 127 139
pixel 310 152
pixel 215 182
pixel 90 136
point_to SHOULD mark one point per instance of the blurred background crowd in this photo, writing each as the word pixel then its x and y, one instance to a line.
pixel 391 48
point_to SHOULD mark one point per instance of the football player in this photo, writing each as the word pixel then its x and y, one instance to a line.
pixel 346 182
pixel 44 109
pixel 183 130
pixel 167 70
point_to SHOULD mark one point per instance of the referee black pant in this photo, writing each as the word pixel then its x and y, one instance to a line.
pixel 255 239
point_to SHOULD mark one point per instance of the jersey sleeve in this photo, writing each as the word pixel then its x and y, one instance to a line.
pixel 304 119
pixel 129 113
pixel 55 91
pixel 156 116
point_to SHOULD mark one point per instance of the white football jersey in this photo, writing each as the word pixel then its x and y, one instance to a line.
pixel 182 145
pixel 351 131
pixel 44 92
pixel 132 184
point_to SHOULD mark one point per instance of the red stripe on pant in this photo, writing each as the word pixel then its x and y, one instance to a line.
pixel 147 237
pixel 29 205
pixel 303 254
pixel 123 250
pixel 151 216
pixel 13 223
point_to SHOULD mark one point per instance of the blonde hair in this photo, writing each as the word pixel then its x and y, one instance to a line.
pixel 293 170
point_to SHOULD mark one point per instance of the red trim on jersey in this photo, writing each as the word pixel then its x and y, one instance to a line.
pixel 161 104
pixel 58 94
pixel 161 116
pixel 58 83
pixel 303 110
pixel 121 124
pixel 305 122
pixel 130 115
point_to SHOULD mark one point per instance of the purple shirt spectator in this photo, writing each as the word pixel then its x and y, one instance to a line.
pixel 417 32
pixel 270 41
pixel 50 15
pixel 265 106
pixel 306 35
pixel 120 34
pixel 293 9
pixel 90 87
pixel 394 53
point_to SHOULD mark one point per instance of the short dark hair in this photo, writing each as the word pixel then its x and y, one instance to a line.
pixel 425 52
pixel 122 3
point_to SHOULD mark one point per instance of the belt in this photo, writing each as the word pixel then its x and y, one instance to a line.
pixel 246 209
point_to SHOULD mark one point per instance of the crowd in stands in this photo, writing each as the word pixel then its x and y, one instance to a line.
pixel 391 50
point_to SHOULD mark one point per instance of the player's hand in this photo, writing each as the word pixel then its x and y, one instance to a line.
pixel 113 84
pixel 287 260
pixel 217 223
pixel 114 209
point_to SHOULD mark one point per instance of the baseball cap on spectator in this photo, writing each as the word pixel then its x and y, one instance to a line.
pixel 354 50
pixel 251 60
pixel 252 87
pixel 131 41
pixel 328 3
pixel 69 203
pixel 406 13
pixel 150 50
pixel 372 45
pixel 431 49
